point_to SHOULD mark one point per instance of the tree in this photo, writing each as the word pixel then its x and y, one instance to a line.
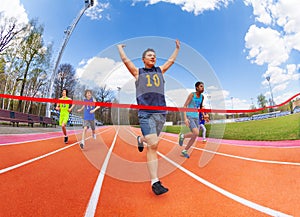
pixel 65 79
pixel 104 94
pixel 32 53
pixel 261 101
pixel 8 31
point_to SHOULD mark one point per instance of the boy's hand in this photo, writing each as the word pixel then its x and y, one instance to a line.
pixel 206 117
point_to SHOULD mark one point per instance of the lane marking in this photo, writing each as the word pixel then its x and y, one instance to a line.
pixel 38 158
pixel 234 197
pixel 73 132
pixel 241 158
pixel 92 205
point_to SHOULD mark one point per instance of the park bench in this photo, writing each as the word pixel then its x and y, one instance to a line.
pixel 47 120
pixel 36 119
pixel 18 117
pixel 5 115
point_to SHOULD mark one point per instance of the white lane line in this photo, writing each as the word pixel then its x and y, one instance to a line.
pixel 35 159
pixel 38 158
pixel 242 158
pixel 224 192
pixel 234 197
pixel 92 205
pixel 74 132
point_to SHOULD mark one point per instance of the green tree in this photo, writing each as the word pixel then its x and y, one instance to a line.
pixel 33 55
pixel 262 101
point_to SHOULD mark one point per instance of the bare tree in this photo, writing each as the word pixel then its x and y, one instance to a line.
pixel 8 31
pixel 65 79
pixel 104 94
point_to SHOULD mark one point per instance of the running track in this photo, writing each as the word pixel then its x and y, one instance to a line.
pixel 41 176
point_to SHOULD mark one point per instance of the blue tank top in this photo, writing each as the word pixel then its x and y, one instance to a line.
pixel 201 118
pixel 195 103
pixel 150 89
pixel 87 108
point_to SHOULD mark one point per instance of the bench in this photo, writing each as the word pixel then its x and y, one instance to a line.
pixel 18 117
pixel 36 119
pixel 5 115
pixel 47 120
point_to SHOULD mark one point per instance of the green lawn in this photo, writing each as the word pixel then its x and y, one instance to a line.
pixel 272 129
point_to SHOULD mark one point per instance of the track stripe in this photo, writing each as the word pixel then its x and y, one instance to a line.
pixel 242 158
pixel 38 158
pixel 35 159
pixel 250 159
pixel 92 205
pixel 234 197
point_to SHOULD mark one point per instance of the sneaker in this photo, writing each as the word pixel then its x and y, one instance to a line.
pixel 140 144
pixel 66 140
pixel 204 140
pixel 185 154
pixel 158 189
pixel 81 144
pixel 180 139
pixel 94 136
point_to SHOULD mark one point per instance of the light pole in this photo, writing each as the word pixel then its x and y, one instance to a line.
pixel 68 32
pixel 268 79
pixel 119 89
pixel 232 107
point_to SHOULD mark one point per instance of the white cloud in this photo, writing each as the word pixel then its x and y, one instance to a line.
pixel 192 6
pixel 266 46
pixel 274 41
pixel 13 8
pixel 103 71
pixel 96 12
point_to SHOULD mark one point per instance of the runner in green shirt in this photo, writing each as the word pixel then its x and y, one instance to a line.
pixel 65 110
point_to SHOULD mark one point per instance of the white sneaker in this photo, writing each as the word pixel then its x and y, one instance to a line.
pixel 94 136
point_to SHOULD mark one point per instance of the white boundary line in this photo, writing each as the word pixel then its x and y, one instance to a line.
pixel 38 158
pixel 75 132
pixel 234 197
pixel 92 205
pixel 242 158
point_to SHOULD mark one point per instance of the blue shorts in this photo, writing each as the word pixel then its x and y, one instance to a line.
pixel 194 123
pixel 151 123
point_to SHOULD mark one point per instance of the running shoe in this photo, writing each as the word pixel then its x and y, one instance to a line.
pixel 158 189
pixel 66 140
pixel 94 136
pixel 140 144
pixel 185 154
pixel 81 144
pixel 180 139
pixel 204 140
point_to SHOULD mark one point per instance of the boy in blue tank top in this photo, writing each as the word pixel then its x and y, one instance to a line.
pixel 191 119
pixel 88 116
pixel 150 92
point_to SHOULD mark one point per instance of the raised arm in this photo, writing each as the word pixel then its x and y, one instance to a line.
pixel 171 59
pixel 129 65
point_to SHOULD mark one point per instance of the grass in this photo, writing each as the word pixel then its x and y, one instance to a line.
pixel 273 129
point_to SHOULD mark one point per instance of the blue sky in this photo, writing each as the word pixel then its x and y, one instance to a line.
pixel 242 42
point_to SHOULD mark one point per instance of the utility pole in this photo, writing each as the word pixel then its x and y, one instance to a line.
pixel 68 33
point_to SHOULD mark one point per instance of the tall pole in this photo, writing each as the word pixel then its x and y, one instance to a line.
pixel 119 89
pixel 232 107
pixel 268 79
pixel 68 32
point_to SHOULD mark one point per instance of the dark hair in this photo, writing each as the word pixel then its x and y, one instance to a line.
pixel 86 91
pixel 149 49
pixel 65 90
pixel 198 83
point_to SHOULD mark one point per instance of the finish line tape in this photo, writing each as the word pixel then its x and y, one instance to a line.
pixel 144 107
